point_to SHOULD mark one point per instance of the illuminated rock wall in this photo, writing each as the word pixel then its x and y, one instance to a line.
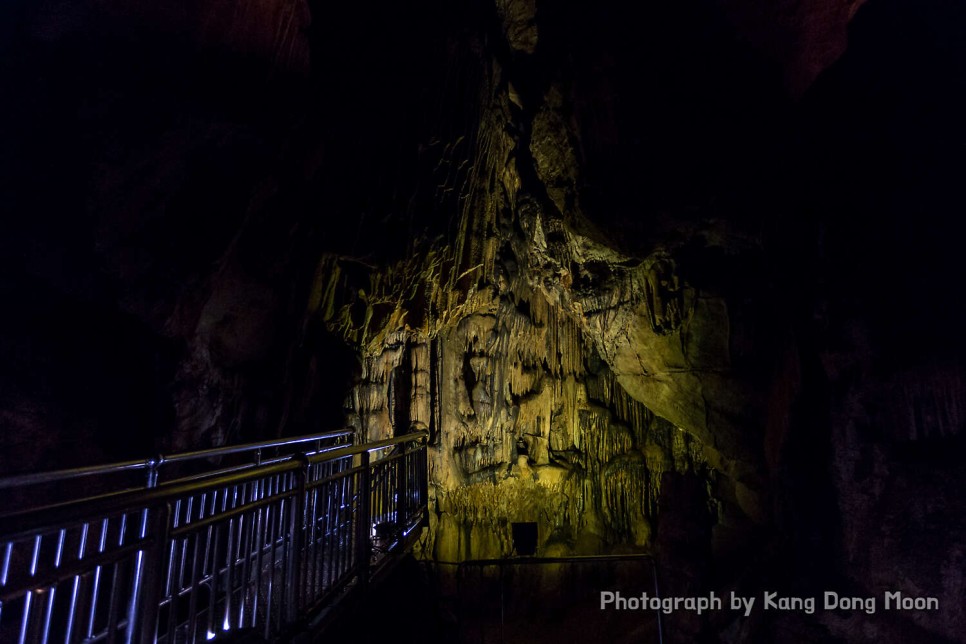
pixel 560 376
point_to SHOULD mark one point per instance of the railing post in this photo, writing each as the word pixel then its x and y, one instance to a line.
pixel 152 578
pixel 151 479
pixel 364 520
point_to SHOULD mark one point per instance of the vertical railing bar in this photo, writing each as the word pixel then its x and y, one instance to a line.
pixel 323 553
pixel 308 536
pixel 209 566
pixel 137 580
pixel 387 470
pixel 322 529
pixel 318 536
pixel 235 547
pixel 375 482
pixel 35 557
pixel 176 565
pixel 5 569
pixel 278 589
pixel 270 590
pixel 202 506
pixel 238 562
pixel 250 590
pixel 215 574
pixel 302 520
pixel 193 593
pixel 253 553
pixel 229 566
pixel 268 543
pixel 406 491
pixel 351 528
pixel 348 528
pixel 337 549
pixel 25 619
pixel 207 509
pixel 75 589
pixel 354 521
pixel 335 499
pixel 169 590
pixel 311 568
pixel 399 494
pixel 334 559
pixel 330 499
pixel 284 509
pixel 259 528
pixel 364 521
pixel 96 589
pixel 184 546
pixel 171 594
pixel 236 587
pixel 324 501
pixel 152 571
pixel 58 556
pixel 349 523
pixel 254 544
pixel 112 606
pixel 296 524
pixel 248 596
pixel 413 489
pixel 388 507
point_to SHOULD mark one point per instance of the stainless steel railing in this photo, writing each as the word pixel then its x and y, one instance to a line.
pixel 24 489
pixel 260 545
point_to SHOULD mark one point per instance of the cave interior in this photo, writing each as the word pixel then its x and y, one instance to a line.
pixel 669 278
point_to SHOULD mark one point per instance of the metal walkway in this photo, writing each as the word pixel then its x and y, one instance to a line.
pixel 200 546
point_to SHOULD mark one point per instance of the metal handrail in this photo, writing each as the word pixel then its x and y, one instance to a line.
pixel 259 545
pixel 234 449
pixel 25 522
pixel 35 478
pixel 352 450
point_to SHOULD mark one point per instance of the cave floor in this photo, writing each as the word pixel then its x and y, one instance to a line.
pixel 419 602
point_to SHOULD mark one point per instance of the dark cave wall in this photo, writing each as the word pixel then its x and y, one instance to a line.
pixel 892 373
pixel 170 179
